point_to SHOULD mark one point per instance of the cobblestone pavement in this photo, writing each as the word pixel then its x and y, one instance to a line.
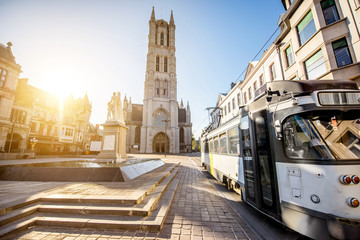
pixel 197 212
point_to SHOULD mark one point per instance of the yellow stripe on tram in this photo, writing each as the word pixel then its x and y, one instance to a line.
pixel 211 164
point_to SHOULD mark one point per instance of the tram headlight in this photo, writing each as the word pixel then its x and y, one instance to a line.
pixel 353 202
pixel 355 179
pixel 345 179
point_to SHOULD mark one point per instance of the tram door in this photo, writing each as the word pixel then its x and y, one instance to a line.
pixel 264 165
pixel 249 168
pixel 258 169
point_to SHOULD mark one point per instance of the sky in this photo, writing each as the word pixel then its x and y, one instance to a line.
pixel 100 46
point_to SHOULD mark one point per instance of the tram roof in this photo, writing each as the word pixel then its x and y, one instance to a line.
pixel 308 86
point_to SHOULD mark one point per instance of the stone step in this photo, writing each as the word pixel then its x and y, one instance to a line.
pixel 18 214
pixel 136 198
pixel 152 179
pixel 152 223
pixel 97 212
pixel 7 231
pixel 77 206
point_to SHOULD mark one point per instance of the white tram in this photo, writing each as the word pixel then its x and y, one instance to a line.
pixel 294 154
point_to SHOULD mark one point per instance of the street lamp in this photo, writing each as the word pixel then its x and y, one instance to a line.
pixel 33 142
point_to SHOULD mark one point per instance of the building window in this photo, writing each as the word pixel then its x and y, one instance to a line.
pixel 165 64
pixel 166 88
pixel 261 80
pixel 225 112
pixel 342 53
pixel 330 12
pixel 3 74
pixel 315 65
pixel 41 129
pixel 157 88
pixel 238 99
pixel 229 107
pixel 157 63
pixel 255 85
pixel 250 93
pixel 245 98
pixel 162 39
pixel 272 72
pixel 49 130
pixel 33 127
pixel 289 57
pixel 306 28
pixel 233 103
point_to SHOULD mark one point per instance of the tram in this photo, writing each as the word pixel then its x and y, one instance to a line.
pixel 294 155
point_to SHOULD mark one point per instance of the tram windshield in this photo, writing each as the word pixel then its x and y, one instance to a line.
pixel 323 135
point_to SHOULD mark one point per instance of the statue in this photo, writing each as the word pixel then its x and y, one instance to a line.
pixel 114 133
pixel 115 108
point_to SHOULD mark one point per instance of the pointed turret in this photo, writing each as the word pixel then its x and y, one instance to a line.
pixel 188 114
pixel 129 110
pixel 172 18
pixel 152 18
pixel 181 104
pixel 172 30
pixel 125 103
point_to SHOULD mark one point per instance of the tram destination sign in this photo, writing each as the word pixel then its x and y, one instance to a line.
pixel 339 98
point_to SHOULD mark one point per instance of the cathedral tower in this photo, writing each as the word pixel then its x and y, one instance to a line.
pixel 160 126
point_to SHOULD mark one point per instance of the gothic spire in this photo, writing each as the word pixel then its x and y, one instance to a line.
pixel 152 15
pixel 171 18
pixel 181 104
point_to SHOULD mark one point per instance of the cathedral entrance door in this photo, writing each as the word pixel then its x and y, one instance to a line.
pixel 161 143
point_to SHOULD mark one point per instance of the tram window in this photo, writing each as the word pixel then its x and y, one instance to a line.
pixel 211 146
pixel 205 147
pixel 216 145
pixel 245 131
pixel 323 135
pixel 233 138
pixel 223 144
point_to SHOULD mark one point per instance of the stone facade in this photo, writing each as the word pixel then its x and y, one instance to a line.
pixel 160 124
pixel 74 130
pixel 9 73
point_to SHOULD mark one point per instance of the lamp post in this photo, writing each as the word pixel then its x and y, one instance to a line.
pixel 33 142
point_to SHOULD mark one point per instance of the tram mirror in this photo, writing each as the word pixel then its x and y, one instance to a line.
pixel 278 129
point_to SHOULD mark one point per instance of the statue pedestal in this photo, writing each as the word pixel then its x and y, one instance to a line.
pixel 113 144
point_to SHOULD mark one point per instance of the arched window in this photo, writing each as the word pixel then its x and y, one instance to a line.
pixel 157 63
pixel 157 87
pixel 166 88
pixel 182 137
pixel 165 64
pixel 160 119
pixel 162 39
pixel 137 135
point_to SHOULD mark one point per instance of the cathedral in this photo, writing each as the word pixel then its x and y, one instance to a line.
pixel 160 124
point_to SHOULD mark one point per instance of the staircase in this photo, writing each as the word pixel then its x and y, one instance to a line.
pixel 145 208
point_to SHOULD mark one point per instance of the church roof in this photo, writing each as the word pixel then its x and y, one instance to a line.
pixel 182 115
pixel 137 112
